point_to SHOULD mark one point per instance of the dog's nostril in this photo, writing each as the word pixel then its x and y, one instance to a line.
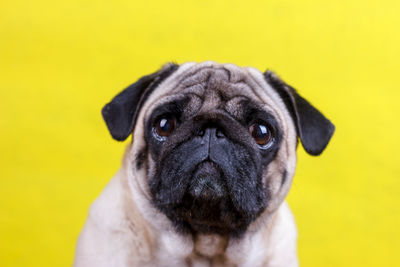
pixel 212 132
pixel 219 134
pixel 200 132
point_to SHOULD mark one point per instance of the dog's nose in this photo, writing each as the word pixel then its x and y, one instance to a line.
pixel 212 141
pixel 211 134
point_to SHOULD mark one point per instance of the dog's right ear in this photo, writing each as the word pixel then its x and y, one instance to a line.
pixel 121 113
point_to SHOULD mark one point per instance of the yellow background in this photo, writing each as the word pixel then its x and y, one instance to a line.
pixel 60 61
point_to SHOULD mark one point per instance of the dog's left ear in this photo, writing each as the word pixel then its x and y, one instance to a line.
pixel 121 113
pixel 312 127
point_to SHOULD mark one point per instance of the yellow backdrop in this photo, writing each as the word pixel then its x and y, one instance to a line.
pixel 60 61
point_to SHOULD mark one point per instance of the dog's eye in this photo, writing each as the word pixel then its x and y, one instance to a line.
pixel 262 135
pixel 164 126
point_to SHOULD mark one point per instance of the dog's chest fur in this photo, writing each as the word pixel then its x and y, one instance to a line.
pixel 209 250
pixel 261 248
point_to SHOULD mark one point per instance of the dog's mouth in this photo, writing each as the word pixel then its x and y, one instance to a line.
pixel 206 206
pixel 215 216
pixel 208 183
pixel 212 198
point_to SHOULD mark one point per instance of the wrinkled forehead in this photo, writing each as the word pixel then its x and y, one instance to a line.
pixel 217 80
pixel 212 85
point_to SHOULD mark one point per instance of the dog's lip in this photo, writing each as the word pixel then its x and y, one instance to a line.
pixel 203 222
pixel 208 163
pixel 216 224
pixel 207 179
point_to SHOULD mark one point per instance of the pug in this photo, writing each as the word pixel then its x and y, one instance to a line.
pixel 204 180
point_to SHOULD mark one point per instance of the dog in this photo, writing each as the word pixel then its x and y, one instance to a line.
pixel 204 180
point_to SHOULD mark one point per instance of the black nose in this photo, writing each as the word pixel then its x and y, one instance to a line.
pixel 211 133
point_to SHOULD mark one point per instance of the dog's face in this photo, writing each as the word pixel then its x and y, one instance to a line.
pixel 214 145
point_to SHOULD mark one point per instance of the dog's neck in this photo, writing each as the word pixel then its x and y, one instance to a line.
pixel 215 250
pixel 209 246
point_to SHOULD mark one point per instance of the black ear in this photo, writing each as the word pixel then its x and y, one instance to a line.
pixel 121 113
pixel 313 128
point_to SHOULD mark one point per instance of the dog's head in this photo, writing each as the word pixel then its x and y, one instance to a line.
pixel 215 145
